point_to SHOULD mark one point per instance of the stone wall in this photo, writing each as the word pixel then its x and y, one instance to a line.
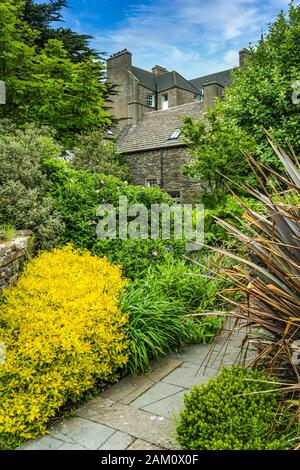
pixel 176 96
pixel 13 254
pixel 165 166
pixel 138 107
pixel 119 67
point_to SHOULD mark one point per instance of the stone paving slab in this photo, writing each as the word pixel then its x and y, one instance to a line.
pixel 139 444
pixel 224 358
pixel 163 367
pixel 189 375
pixel 168 407
pixel 131 387
pixel 68 446
pixel 117 441
pixel 128 389
pixel 194 354
pixel 81 431
pixel 143 425
pixel 156 393
pixel 42 443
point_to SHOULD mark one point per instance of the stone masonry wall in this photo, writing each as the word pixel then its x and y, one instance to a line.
pixel 176 96
pixel 165 167
pixel 13 254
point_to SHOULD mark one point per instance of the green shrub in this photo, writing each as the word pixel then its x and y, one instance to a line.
pixel 237 410
pixel 158 305
pixel 78 194
pixel 97 155
pixel 228 209
pixel 177 280
pixel 63 331
pixel 24 185
pixel 137 256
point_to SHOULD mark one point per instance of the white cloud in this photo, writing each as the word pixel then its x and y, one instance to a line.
pixel 230 58
pixel 194 37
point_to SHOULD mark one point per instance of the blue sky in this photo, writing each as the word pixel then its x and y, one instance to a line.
pixel 194 37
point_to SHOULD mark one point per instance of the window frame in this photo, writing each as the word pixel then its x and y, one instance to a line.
pixel 152 103
pixel 148 185
pixel 176 134
pixel 165 101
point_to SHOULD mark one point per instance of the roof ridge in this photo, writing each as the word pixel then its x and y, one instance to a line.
pixel 209 74
pixel 144 70
pixel 186 80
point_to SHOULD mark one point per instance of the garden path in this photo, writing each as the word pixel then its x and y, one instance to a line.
pixel 138 413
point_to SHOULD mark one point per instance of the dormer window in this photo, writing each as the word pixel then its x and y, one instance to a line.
pixel 150 100
pixel 176 134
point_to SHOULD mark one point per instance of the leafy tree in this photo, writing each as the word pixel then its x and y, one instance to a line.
pixel 43 16
pixel 99 156
pixel 259 98
pixel 45 86
pixel 217 146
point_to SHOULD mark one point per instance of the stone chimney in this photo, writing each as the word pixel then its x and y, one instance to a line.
pixel 157 70
pixel 243 54
pixel 119 62
pixel 211 91
pixel 2 93
pixel 119 72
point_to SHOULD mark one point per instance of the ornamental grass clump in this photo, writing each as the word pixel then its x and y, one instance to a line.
pixel 63 331
pixel 240 409
pixel 268 277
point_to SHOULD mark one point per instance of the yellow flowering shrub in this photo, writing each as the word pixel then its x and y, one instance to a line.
pixel 63 330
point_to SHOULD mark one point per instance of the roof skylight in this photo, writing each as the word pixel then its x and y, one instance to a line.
pixel 176 134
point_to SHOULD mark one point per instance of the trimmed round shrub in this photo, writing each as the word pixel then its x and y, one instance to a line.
pixel 235 411
pixel 63 331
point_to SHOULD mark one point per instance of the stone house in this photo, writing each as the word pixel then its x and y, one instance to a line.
pixel 155 153
pixel 150 107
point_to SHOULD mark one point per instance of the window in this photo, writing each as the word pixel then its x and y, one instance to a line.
pixel 164 102
pixel 175 195
pixel 151 183
pixel 198 96
pixel 176 134
pixel 150 100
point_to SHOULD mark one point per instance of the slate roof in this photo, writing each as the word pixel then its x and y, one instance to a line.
pixel 145 78
pixel 163 81
pixel 168 80
pixel 156 127
pixel 223 78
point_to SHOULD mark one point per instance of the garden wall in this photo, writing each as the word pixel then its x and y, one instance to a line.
pixel 13 254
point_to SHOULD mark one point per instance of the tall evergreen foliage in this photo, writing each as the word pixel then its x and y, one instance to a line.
pixel 52 76
pixel 43 17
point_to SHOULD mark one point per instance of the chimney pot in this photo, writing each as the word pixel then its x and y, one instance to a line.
pixel 157 70
pixel 243 56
